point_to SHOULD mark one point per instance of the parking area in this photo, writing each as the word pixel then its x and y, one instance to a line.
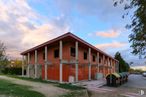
pixel 135 87
pixel 136 81
pixel 93 83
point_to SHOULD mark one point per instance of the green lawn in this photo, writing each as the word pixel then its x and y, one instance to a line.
pixel 75 91
pixel 64 86
pixel 74 94
pixel 15 90
pixel 69 87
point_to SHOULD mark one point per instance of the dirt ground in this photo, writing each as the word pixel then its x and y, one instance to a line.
pixel 51 91
pixel 47 89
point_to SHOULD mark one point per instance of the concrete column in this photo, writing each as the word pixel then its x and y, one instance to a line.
pixel 108 65
pixel 118 66
pixel 89 58
pixel 111 66
pixel 76 75
pixel 46 66
pixel 104 65
pixel 60 56
pixel 36 62
pixel 97 59
pixel 22 65
pixel 28 63
pixel 114 67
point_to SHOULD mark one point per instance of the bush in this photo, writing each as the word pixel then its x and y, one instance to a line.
pixel 13 71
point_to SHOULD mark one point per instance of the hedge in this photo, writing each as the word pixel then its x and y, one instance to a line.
pixel 13 71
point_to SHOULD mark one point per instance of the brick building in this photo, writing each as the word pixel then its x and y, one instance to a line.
pixel 67 56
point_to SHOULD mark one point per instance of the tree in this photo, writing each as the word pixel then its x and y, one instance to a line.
pixel 3 57
pixel 137 25
pixel 15 63
pixel 123 65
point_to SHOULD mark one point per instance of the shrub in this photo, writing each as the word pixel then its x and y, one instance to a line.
pixel 13 71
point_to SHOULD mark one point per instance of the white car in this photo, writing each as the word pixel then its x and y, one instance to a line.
pixel 144 74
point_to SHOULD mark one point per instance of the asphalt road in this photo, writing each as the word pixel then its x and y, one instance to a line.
pixel 136 81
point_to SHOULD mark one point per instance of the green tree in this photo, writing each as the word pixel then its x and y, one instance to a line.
pixel 3 57
pixel 123 65
pixel 137 25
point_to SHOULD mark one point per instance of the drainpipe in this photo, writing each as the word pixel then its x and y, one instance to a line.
pixel 46 66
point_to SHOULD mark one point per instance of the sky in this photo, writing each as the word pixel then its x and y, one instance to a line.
pixel 27 23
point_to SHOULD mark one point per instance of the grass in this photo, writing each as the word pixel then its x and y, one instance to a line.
pixel 64 86
pixel 31 79
pixel 69 87
pixel 73 94
pixel 14 90
pixel 75 91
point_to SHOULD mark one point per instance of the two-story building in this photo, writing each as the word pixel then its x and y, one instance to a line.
pixel 67 56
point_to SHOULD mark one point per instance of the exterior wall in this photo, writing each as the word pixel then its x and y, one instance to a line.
pixel 32 57
pixel 41 62
pixel 83 64
pixel 32 71
pixel 69 69
pixel 53 67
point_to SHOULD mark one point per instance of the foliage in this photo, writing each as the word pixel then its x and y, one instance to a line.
pixel 13 71
pixel 64 86
pixel 14 90
pixel 5 64
pixel 136 71
pixel 123 65
pixel 32 79
pixel 15 63
pixel 138 24
pixel 3 59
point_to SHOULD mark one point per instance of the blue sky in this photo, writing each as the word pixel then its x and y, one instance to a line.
pixel 32 22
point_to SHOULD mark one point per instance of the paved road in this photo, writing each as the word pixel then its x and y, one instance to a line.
pixel 136 81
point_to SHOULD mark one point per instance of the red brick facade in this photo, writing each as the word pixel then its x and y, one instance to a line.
pixel 99 61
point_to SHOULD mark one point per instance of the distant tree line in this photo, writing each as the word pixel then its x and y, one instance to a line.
pixel 3 58
pixel 6 66
pixel 135 71
pixel 123 65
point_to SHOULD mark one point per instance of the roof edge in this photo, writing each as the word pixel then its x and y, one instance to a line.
pixel 62 36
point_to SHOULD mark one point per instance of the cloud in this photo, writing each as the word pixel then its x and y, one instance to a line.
pixel 112 45
pixel 129 57
pixel 21 27
pixel 123 48
pixel 108 34
pixel 102 9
